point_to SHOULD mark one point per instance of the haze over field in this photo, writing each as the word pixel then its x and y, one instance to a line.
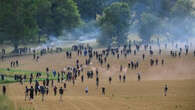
pixel 97 54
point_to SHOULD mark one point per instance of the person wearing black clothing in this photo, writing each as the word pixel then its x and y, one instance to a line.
pixel 36 87
pixel 124 78
pixel 118 56
pixel 97 82
pixel 11 64
pixel 108 66
pixel 42 88
pixel 47 69
pixel 26 92
pixel 61 91
pixel 143 56
pixel 165 90
pixel 55 90
pixel 20 78
pixel 156 61
pixel 162 61
pixel 4 90
pixel 97 72
pixel 47 90
pixel 58 79
pixel 17 63
pixel 47 82
pixel 37 58
pixel 31 93
pixel 138 77
pixel 43 82
pixel 34 56
pixel 30 80
pixel 52 83
pixel 120 77
pixel 194 52
pixel 103 91
pixel 82 78
pixel 64 85
pixel 24 77
pixel 110 80
pixel 2 77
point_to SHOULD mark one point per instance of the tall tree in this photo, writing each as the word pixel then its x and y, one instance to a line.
pixel 181 19
pixel 43 16
pixel 54 16
pixel 115 22
pixel 90 8
pixel 17 21
pixel 149 23
pixel 182 8
pixel 171 16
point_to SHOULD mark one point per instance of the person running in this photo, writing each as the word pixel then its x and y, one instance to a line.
pixel 165 90
pixel 61 91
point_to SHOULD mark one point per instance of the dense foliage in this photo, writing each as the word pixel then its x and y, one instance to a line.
pixel 23 20
pixel 115 23
pixel 28 20
pixel 17 20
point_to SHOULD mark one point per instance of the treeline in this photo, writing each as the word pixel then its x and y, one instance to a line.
pixel 173 19
pixel 29 20
pixel 25 20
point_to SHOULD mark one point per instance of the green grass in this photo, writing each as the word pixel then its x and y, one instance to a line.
pixel 7 81
pixel 5 103
pixel 10 75
pixel 11 72
pixel 11 80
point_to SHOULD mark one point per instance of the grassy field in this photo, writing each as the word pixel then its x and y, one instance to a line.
pixel 5 103
pixel 147 94
pixel 10 75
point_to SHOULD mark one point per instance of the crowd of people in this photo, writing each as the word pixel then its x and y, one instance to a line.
pixel 72 73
